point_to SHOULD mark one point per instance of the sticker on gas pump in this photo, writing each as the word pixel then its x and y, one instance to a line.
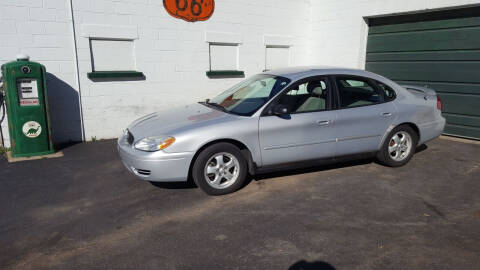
pixel 32 129
pixel 29 102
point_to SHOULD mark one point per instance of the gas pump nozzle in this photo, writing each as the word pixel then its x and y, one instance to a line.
pixel 2 100
pixel 2 95
pixel 2 110
pixel 1 85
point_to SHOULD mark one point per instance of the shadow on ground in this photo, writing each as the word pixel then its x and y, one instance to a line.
pixel 174 185
pixel 317 265
pixel 288 171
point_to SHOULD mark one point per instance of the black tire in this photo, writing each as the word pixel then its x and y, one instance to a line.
pixel 384 156
pixel 207 156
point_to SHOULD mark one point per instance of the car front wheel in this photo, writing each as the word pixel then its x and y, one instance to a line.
pixel 399 146
pixel 220 169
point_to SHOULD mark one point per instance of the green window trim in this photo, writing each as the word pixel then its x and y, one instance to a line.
pixel 225 73
pixel 115 74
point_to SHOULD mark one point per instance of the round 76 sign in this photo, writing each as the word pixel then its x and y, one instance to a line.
pixel 190 10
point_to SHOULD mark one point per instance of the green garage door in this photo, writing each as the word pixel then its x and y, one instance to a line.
pixel 440 50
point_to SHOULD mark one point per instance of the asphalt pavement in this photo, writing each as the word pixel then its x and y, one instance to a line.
pixel 85 211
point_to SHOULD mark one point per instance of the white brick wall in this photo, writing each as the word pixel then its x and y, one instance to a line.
pixel 173 54
pixel 339 31
pixel 42 29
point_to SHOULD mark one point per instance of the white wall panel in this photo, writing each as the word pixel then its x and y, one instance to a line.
pixel 223 57
pixel 174 54
pixel 111 55
pixel 43 30
pixel 277 57
pixel 339 28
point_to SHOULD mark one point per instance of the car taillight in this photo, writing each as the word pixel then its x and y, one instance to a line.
pixel 439 103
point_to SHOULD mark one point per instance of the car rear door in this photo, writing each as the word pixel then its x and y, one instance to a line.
pixel 307 132
pixel 364 114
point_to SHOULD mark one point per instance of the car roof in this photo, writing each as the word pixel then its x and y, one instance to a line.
pixel 297 73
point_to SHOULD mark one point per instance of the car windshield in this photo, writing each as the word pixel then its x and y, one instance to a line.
pixel 249 95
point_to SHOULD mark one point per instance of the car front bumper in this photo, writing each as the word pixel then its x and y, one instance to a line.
pixel 155 166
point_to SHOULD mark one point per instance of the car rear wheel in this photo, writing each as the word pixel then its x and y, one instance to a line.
pixel 399 146
pixel 220 169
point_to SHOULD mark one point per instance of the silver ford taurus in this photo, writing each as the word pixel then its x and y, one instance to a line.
pixel 281 117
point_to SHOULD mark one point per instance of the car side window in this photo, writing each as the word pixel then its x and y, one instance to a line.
pixel 309 96
pixel 356 92
pixel 388 92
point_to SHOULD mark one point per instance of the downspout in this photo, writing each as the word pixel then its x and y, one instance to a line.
pixel 77 70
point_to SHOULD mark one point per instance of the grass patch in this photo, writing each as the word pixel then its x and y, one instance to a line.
pixel 3 150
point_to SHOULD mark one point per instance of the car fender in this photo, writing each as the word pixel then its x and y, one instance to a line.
pixel 243 130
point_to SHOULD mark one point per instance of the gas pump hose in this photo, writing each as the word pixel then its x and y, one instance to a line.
pixel 2 106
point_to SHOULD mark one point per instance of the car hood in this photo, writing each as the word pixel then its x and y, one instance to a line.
pixel 167 123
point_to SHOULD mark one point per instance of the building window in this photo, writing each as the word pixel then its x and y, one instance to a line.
pixel 223 57
pixel 277 57
pixel 110 55
pixel 224 60
pixel 112 58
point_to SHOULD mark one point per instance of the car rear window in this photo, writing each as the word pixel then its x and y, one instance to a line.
pixel 388 92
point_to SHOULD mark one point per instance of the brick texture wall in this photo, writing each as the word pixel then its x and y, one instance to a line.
pixel 42 29
pixel 339 29
pixel 173 54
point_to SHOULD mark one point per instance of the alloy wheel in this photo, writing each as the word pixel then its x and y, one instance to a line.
pixel 400 146
pixel 222 170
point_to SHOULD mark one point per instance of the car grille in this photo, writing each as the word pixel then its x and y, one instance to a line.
pixel 130 137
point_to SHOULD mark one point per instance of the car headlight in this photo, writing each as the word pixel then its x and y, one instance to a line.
pixel 152 144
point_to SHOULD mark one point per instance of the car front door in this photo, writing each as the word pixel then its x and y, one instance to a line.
pixel 363 116
pixel 307 131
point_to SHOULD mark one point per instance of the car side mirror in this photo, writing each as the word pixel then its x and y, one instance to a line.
pixel 280 109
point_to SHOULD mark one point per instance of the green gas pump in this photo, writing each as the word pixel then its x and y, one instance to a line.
pixel 25 90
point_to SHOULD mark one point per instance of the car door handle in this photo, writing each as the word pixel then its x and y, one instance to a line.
pixel 386 114
pixel 323 122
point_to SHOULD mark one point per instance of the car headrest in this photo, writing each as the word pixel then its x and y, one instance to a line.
pixel 312 86
pixel 315 89
pixel 318 91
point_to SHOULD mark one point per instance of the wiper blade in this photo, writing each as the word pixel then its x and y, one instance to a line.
pixel 216 105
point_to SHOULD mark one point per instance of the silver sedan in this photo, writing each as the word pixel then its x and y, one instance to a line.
pixel 292 116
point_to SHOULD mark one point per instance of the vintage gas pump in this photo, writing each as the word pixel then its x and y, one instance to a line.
pixel 24 86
